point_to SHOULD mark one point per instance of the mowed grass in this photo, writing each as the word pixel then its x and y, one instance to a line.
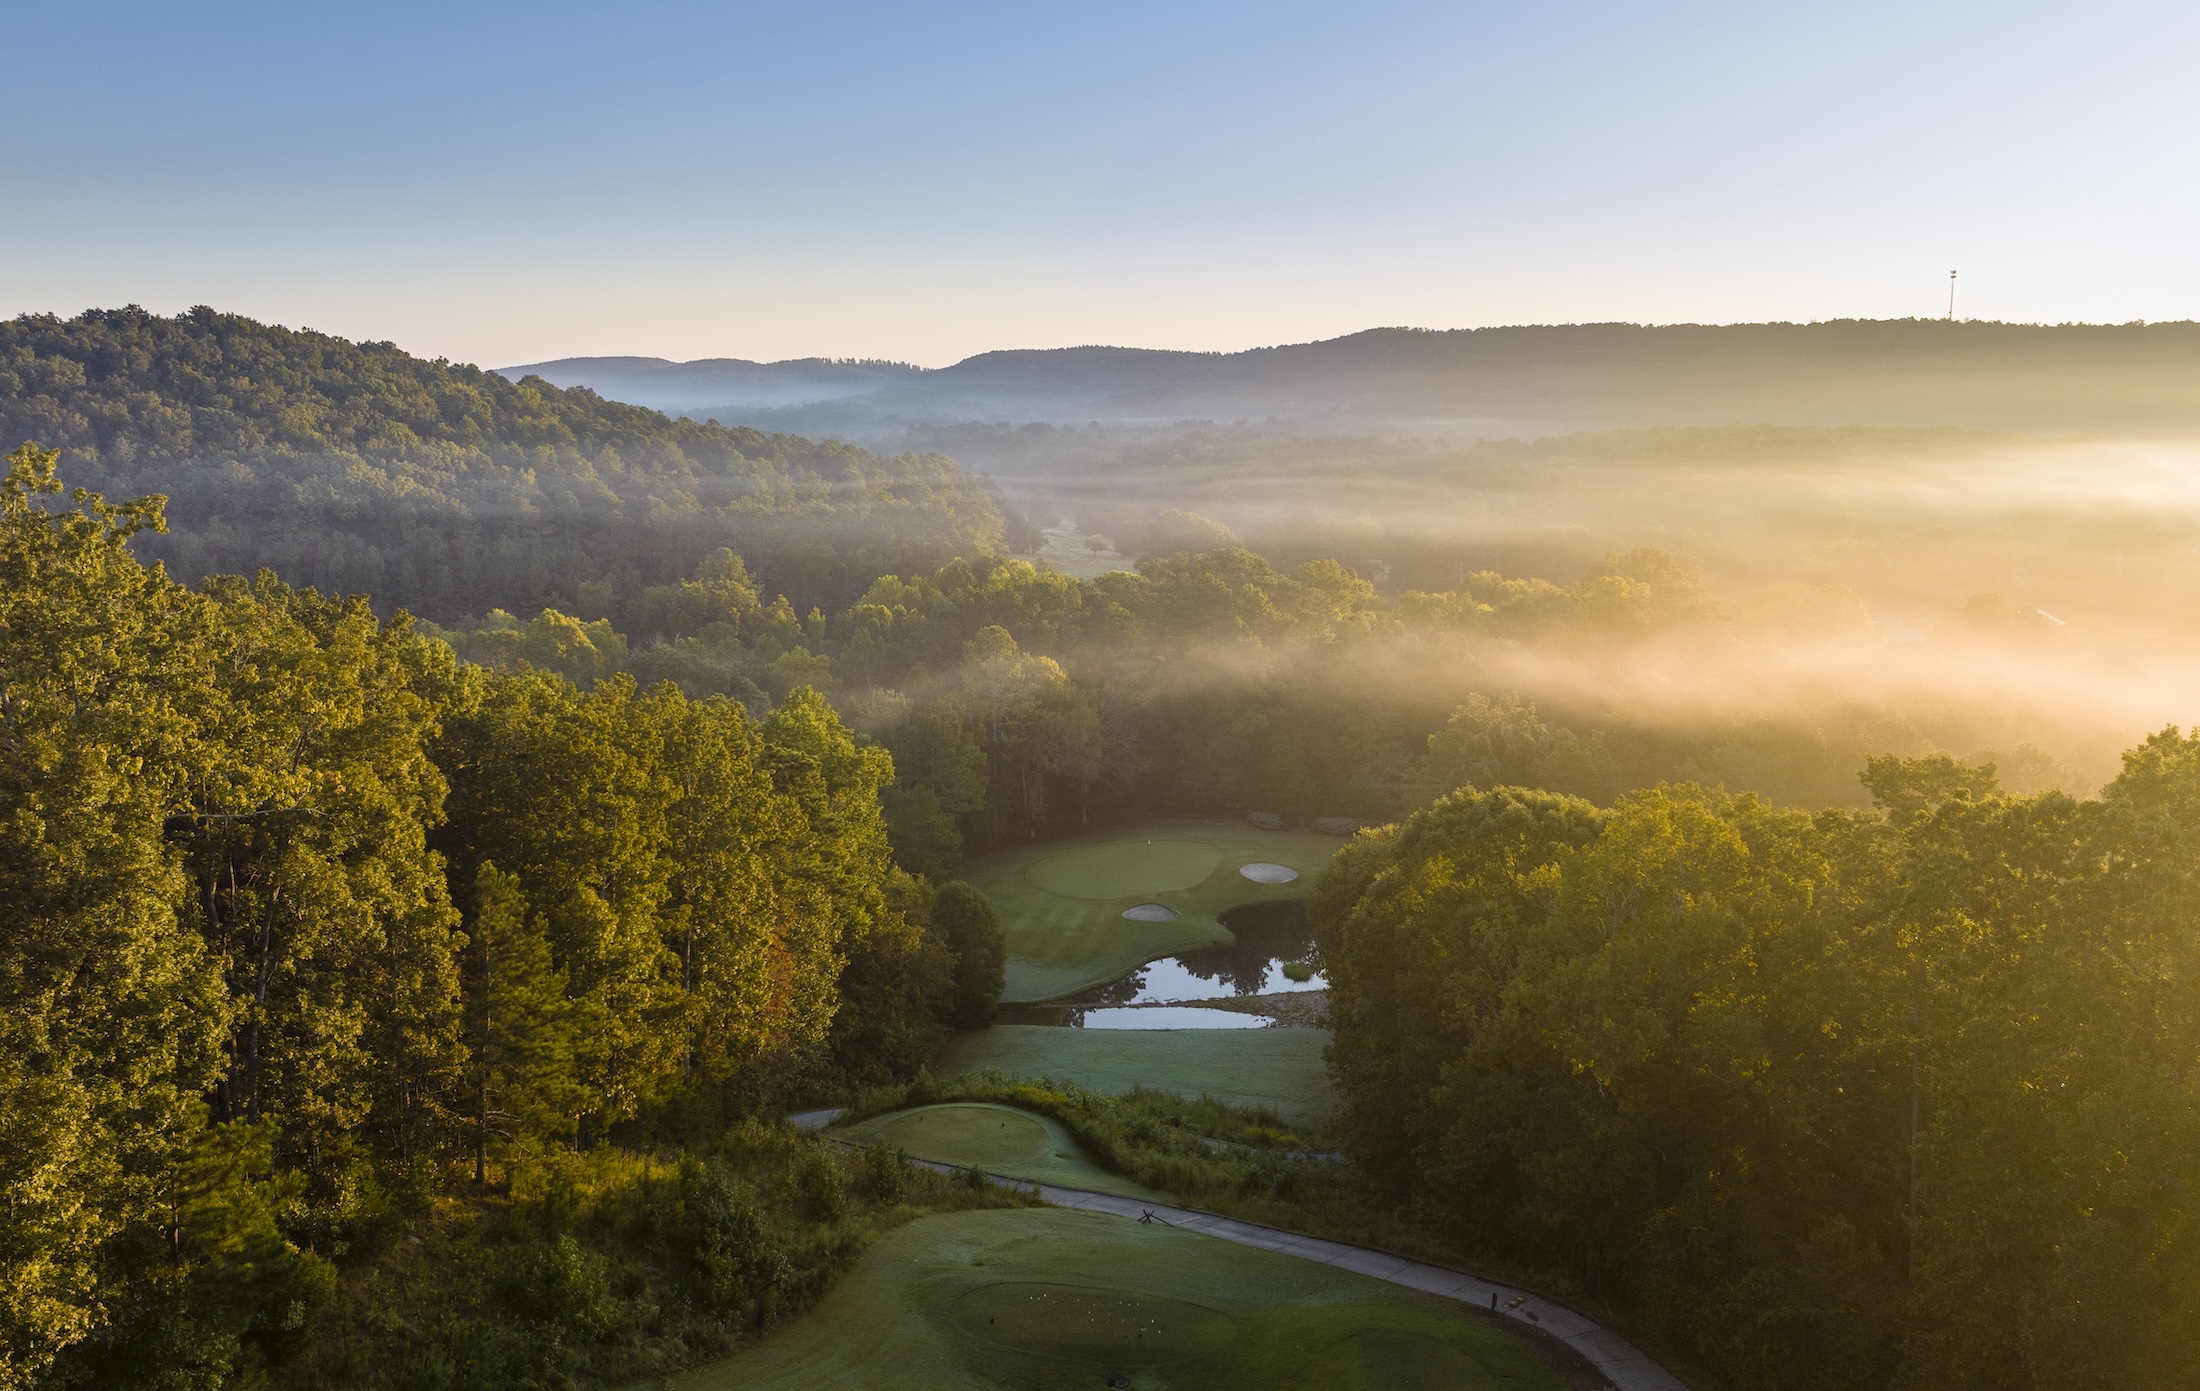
pixel 1062 903
pixel 997 1139
pixel 1042 1298
pixel 1281 1069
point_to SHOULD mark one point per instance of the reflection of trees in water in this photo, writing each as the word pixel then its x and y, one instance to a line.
pixel 1265 932
pixel 1116 992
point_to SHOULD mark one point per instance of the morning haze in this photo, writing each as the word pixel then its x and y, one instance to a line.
pixel 972 771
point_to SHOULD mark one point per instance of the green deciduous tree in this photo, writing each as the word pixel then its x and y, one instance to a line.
pixel 111 1013
pixel 304 828
pixel 215 1293
pixel 964 920
pixel 757 961
pixel 570 794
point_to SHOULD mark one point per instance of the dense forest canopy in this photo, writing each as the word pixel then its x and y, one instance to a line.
pixel 358 468
pixel 1899 1098
pixel 304 922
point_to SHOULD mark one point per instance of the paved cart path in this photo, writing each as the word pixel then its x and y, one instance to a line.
pixel 1624 1365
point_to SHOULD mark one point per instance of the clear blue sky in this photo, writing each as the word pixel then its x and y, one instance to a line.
pixel 508 183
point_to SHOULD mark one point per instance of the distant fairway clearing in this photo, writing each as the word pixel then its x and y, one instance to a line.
pixel 1082 912
pixel 1125 869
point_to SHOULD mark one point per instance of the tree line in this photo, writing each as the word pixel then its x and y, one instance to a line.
pixel 305 921
pixel 1846 1099
pixel 1018 701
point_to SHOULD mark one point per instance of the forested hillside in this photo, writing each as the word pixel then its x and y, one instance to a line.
pixel 1901 1098
pixel 358 468
pixel 309 933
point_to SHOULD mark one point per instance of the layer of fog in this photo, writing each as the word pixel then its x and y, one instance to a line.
pixel 1997 591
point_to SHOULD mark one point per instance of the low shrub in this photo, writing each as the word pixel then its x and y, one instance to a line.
pixel 616 1266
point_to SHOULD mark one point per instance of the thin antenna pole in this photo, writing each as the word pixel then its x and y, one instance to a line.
pixel 1951 297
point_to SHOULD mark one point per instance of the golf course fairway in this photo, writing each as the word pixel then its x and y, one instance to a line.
pixel 1062 903
pixel 1280 1069
pixel 1041 1298
pixel 997 1139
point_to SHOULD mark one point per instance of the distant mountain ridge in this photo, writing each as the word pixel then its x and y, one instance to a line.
pixel 665 385
pixel 1536 379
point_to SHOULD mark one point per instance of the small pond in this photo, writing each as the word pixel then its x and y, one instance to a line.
pixel 1164 1017
pixel 1268 935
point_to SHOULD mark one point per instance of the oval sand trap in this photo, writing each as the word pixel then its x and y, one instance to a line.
pixel 1124 869
pixel 1263 873
pixel 1151 913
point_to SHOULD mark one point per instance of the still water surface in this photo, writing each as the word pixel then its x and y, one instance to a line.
pixel 1268 935
pixel 1167 1017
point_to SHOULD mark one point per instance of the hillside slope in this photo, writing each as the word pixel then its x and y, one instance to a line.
pixel 357 467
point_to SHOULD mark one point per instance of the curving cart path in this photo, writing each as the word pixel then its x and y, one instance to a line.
pixel 1626 1367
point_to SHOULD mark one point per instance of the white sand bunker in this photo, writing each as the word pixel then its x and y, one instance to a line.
pixel 1151 913
pixel 1268 874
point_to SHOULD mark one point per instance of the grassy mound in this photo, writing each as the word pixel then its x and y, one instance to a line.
pixel 1062 903
pixel 1280 1069
pixel 997 1139
pixel 1047 1298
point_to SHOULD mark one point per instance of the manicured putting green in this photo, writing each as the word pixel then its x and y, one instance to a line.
pixel 997 1139
pixel 1039 1298
pixel 1125 868
pixel 1281 1069
pixel 1064 905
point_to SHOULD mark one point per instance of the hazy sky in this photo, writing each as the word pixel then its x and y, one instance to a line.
pixel 503 184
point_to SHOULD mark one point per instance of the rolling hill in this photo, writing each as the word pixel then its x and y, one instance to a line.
pixel 1528 380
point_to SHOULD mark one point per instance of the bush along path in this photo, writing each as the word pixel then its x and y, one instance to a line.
pixel 1623 1366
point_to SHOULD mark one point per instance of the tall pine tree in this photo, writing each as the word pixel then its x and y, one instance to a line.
pixel 519 1025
